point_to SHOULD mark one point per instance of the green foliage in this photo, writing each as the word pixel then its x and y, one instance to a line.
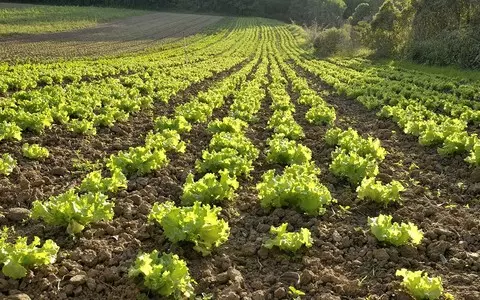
pixel 473 158
pixel 352 166
pixel 209 189
pixel 350 141
pixel 331 40
pixel 227 124
pixel 236 141
pixel 289 241
pixel 297 187
pixel 179 124
pixel 166 275
pixel 420 286
pixel 396 234
pixel 139 160
pixel 285 151
pixel 198 224
pixel 95 183
pixel 10 131
pixel 225 159
pixel 321 115
pixel 73 211
pixel 168 140
pixel 35 151
pixel 376 191
pixel 7 164
pixel 17 257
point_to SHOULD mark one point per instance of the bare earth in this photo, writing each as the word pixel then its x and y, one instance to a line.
pixel 124 35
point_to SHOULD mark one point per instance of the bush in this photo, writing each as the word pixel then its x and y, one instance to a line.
pixel 459 47
pixel 331 40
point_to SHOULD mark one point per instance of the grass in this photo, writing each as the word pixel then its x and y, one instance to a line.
pixel 449 71
pixel 46 19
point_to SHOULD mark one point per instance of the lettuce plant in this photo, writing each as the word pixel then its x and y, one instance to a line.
pixel 393 233
pixel 198 224
pixel 226 158
pixel 167 275
pixel 297 187
pixel 378 192
pixel 35 151
pixel 95 183
pixel 210 188
pixel 289 241
pixel 420 286
pixel 179 124
pixel 352 166
pixel 138 160
pixel 73 211
pixel 284 151
pixel 7 164
pixel 227 124
pixel 18 256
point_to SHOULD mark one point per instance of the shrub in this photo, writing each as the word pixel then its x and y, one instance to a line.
pixel 331 40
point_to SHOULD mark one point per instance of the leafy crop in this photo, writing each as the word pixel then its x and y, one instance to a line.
pixel 376 191
pixel 17 257
pixel 396 234
pixel 166 275
pixel 73 211
pixel 198 224
pixel 227 158
pixel 284 151
pixel 297 187
pixel 420 286
pixel 35 151
pixel 95 183
pixel 10 131
pixel 321 115
pixel 352 166
pixel 289 241
pixel 179 124
pixel 227 124
pixel 209 189
pixel 7 164
pixel 350 141
pixel 139 160
pixel 236 141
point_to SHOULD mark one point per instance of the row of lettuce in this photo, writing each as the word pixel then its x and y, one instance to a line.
pixel 229 156
pixel 85 105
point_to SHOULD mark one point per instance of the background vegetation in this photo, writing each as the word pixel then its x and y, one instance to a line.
pixel 444 32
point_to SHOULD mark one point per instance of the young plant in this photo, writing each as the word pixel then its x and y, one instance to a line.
pixel 420 286
pixel 227 124
pixel 95 183
pixel 297 187
pixel 321 115
pixel 139 160
pixel 209 189
pixel 287 152
pixel 289 241
pixel 352 166
pixel 378 192
pixel 393 233
pixel 10 131
pixel 198 224
pixel 166 275
pixel 35 151
pixel 17 257
pixel 7 164
pixel 225 159
pixel 179 124
pixel 237 141
pixel 73 211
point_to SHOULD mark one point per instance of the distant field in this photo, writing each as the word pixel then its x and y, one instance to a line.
pixel 80 33
pixel 33 19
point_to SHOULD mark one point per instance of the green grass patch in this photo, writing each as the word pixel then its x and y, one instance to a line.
pixel 449 71
pixel 46 19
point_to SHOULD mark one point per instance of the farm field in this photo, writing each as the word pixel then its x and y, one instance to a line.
pixel 34 33
pixel 205 146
